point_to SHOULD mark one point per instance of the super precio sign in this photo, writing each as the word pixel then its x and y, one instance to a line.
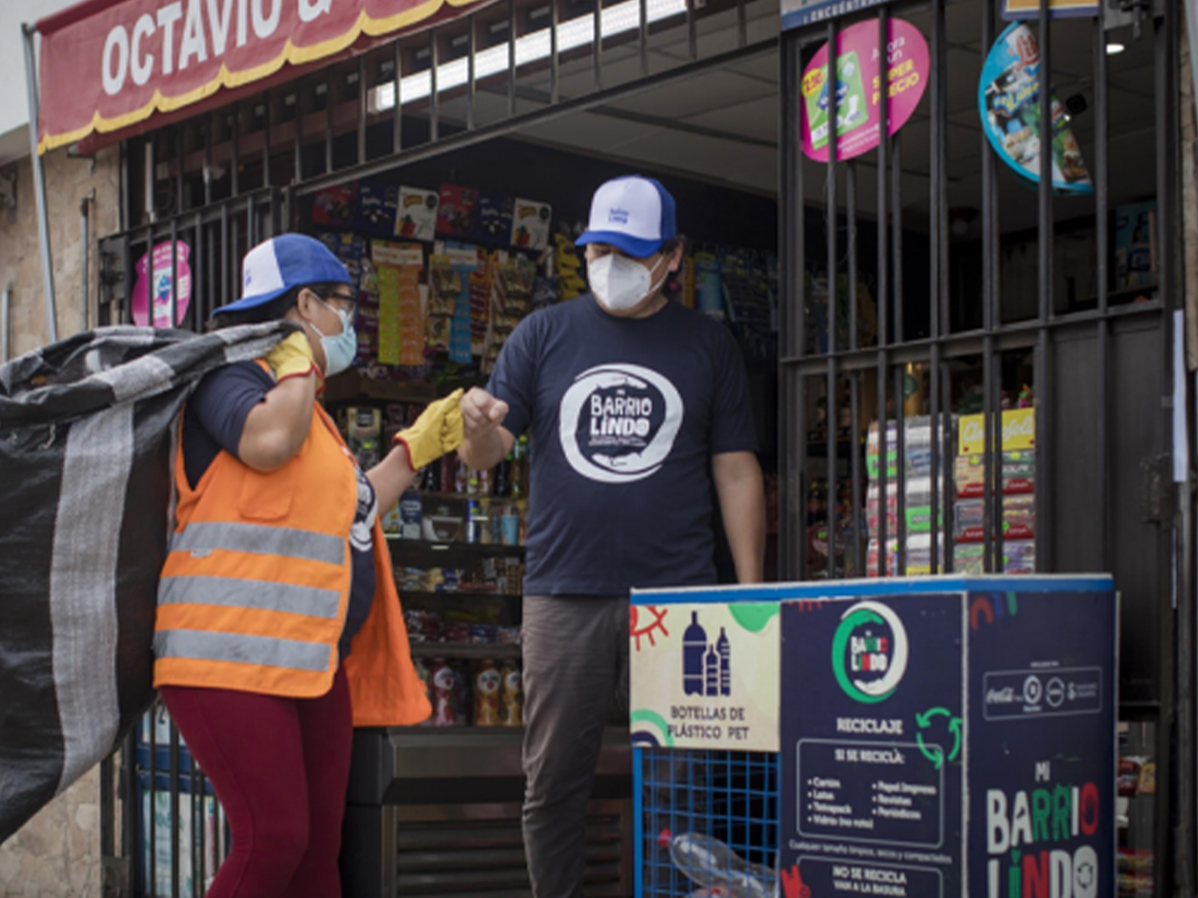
pixel 107 66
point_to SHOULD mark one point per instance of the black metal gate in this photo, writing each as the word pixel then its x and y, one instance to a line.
pixel 948 328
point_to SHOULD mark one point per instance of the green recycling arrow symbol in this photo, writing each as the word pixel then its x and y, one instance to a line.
pixel 935 753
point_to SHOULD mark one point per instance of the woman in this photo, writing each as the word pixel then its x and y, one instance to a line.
pixel 279 627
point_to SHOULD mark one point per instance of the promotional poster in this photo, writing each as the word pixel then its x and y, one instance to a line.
pixel 858 88
pixel 1009 100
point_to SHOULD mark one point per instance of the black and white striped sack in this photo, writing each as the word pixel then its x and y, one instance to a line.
pixel 87 428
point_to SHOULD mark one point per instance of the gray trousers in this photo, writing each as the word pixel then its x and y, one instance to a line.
pixel 575 676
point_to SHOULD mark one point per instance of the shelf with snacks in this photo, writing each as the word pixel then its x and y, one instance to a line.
pixel 468 594
pixel 455 549
pixel 467 732
pixel 467 651
pixel 356 385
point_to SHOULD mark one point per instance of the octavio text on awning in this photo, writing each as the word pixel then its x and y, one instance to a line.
pixel 109 65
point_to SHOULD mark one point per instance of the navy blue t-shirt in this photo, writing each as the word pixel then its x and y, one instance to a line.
pixel 625 416
pixel 215 419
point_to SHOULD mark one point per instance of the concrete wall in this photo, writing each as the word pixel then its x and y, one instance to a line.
pixel 57 855
pixel 68 181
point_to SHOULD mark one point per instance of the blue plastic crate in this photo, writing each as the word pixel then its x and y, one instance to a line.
pixel 728 797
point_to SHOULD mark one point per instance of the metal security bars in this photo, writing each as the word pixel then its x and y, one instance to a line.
pixel 197 195
pixel 982 284
pixel 188 261
pixel 485 74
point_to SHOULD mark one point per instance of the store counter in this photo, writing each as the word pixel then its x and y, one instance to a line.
pixel 436 811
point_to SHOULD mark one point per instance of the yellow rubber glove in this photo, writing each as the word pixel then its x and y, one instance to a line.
pixel 437 431
pixel 292 358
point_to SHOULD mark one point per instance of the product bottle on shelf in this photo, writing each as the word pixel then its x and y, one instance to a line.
pixel 500 488
pixel 518 482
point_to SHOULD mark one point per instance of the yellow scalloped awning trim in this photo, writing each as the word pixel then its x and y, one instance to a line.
pixel 290 54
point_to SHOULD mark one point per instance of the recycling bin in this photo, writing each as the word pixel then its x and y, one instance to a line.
pixel 915 738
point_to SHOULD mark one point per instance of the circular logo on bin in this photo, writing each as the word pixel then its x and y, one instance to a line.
pixel 869 652
pixel 618 423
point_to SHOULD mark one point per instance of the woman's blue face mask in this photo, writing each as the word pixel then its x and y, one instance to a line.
pixel 341 349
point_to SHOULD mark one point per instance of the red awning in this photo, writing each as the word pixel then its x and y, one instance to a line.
pixel 110 65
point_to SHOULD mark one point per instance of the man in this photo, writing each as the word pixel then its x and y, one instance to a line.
pixel 635 404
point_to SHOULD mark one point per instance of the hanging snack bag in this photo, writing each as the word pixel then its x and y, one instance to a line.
pixel 530 225
pixel 334 206
pixel 493 219
pixel 416 214
pixel 455 217
pixel 378 203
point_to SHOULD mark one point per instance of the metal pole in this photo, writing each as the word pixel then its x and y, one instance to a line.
pixel 5 298
pixel 39 184
pixel 85 262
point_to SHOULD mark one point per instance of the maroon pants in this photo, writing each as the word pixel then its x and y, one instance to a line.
pixel 280 768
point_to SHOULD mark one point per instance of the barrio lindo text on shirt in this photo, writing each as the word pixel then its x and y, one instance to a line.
pixel 111 64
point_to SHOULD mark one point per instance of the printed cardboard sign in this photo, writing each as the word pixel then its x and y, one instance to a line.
pixel 859 95
pixel 1018 432
pixel 705 675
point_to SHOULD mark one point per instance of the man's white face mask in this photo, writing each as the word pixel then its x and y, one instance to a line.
pixel 621 283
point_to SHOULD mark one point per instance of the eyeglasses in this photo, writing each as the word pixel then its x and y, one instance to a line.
pixel 341 302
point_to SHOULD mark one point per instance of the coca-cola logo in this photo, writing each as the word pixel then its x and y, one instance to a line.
pixel 1005 696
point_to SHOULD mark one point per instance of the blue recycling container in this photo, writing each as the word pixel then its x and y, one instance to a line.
pixel 925 737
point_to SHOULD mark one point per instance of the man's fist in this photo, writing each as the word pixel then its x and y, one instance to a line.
pixel 482 413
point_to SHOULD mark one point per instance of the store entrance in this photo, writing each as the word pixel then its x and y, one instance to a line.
pixel 451 252
pixel 453 241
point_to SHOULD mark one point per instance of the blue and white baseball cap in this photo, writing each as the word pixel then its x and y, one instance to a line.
pixel 272 268
pixel 633 214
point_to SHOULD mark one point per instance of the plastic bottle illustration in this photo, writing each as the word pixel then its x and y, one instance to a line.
pixel 694 647
pixel 724 649
pixel 712 672
pixel 719 870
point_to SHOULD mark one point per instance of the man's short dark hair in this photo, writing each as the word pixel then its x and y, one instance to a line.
pixel 673 285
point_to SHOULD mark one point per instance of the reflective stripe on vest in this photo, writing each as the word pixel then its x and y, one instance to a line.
pixel 261 595
pixel 201 537
pixel 263 651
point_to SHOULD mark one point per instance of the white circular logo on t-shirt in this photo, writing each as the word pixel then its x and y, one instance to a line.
pixel 618 423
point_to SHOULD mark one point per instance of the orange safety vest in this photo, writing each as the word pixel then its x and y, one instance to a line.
pixel 255 589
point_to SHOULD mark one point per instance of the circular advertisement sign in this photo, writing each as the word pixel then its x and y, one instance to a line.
pixel 858 95
pixel 1009 102
pixel 161 288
